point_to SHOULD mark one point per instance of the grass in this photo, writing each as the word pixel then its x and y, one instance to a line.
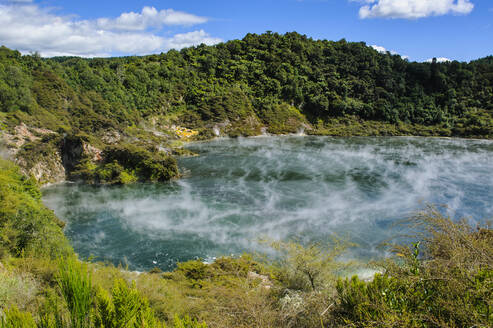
pixel 17 288
pixel 75 285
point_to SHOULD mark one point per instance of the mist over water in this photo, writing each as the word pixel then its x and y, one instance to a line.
pixel 240 190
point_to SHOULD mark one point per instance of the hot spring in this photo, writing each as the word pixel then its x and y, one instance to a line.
pixel 238 191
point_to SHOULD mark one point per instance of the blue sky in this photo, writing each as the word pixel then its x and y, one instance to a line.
pixel 418 29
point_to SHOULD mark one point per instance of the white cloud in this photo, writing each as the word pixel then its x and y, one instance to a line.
pixel 439 60
pixel 379 49
pixel 413 9
pixel 382 50
pixel 149 17
pixel 29 28
pixel 189 39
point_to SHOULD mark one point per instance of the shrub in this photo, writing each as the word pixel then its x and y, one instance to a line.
pixel 124 308
pixel 283 118
pixel 127 164
pixel 445 279
pixel 27 227
pixel 195 272
pixel 311 267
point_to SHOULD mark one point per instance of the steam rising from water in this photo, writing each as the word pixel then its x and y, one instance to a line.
pixel 238 191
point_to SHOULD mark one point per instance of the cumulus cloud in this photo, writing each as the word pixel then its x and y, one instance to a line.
pixel 189 39
pixel 413 9
pixel 379 49
pixel 30 28
pixel 149 17
pixel 382 50
pixel 439 60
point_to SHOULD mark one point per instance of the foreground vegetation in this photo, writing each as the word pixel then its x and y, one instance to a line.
pixel 263 83
pixel 443 278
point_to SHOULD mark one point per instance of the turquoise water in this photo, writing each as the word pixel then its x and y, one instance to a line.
pixel 241 190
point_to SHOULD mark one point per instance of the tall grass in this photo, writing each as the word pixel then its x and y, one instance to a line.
pixel 76 287
pixel 14 318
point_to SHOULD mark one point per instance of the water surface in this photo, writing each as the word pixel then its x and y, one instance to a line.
pixel 240 190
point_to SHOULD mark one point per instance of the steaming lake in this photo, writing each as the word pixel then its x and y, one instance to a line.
pixel 240 190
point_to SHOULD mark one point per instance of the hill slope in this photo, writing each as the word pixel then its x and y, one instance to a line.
pixel 281 83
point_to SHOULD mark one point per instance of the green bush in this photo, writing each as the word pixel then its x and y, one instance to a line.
pixel 124 308
pixel 445 279
pixel 283 118
pixel 27 227
pixel 312 267
pixel 125 164
pixel 148 166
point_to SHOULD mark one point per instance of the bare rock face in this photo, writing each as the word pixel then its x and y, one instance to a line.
pixel 20 136
pixel 111 137
pixel 48 170
pixel 265 282
pixel 93 153
pixel 50 161
pixel 74 149
pixel 55 166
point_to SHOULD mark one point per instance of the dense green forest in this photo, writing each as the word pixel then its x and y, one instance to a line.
pixel 253 76
pixel 268 82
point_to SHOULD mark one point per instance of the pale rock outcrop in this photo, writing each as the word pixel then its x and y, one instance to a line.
pixel 265 282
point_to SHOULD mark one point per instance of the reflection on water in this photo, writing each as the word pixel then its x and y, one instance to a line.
pixel 240 190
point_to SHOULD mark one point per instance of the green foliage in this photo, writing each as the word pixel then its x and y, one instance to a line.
pixel 446 279
pixel 277 79
pixel 147 165
pixel 383 300
pixel 187 322
pixel 26 225
pixel 310 267
pixel 127 163
pixel 194 270
pixel 475 123
pixel 14 318
pixel 283 118
pixel 124 308
pixel 76 287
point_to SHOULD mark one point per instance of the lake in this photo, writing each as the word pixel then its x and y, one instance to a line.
pixel 239 191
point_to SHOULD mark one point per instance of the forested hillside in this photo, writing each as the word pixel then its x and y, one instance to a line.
pixel 281 83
